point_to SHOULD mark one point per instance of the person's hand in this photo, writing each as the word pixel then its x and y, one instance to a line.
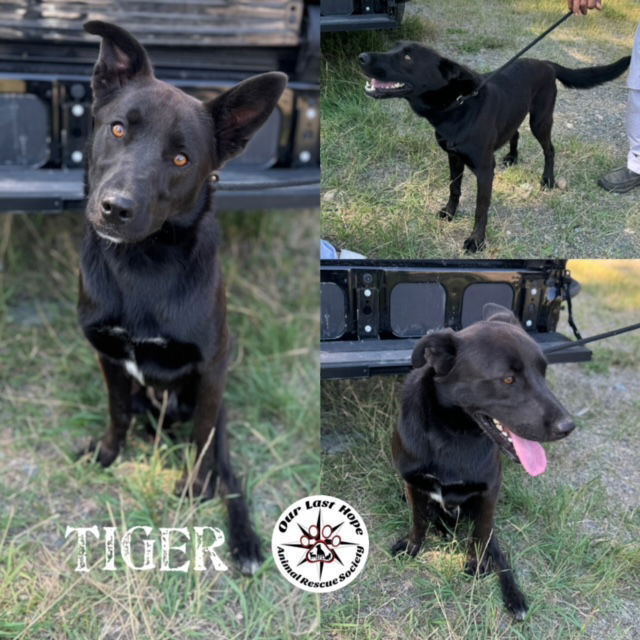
pixel 580 7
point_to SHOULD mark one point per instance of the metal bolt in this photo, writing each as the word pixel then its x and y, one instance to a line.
pixel 528 323
pixel 367 293
pixel 304 156
pixel 367 328
pixel 77 110
pixel 76 157
pixel 311 113
pixel 534 291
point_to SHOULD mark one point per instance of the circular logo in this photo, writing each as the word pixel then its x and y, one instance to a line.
pixel 320 544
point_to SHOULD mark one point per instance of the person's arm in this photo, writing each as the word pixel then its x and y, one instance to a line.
pixel 580 7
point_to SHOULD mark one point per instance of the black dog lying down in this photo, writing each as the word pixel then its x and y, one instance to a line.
pixel 471 127
pixel 152 299
pixel 473 395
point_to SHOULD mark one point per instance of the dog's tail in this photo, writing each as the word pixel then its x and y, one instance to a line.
pixel 590 76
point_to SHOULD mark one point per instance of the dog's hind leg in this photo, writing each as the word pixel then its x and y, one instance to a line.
pixel 485 555
pixel 541 122
pixel 244 542
pixel 456 170
pixel 512 157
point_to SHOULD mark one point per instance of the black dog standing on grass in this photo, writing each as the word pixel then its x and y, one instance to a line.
pixel 152 299
pixel 472 395
pixel 471 127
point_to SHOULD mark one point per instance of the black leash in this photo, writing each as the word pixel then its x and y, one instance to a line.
pixel 599 336
pixel 462 99
pixel 567 296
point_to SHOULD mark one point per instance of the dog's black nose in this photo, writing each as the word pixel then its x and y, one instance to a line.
pixel 117 209
pixel 564 427
pixel 364 58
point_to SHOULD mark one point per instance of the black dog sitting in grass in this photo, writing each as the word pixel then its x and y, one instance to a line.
pixel 152 298
pixel 471 127
pixel 471 396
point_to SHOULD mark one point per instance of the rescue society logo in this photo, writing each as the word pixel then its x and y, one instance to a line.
pixel 320 544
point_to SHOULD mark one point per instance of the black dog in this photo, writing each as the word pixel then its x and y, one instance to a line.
pixel 152 300
pixel 472 395
pixel 471 127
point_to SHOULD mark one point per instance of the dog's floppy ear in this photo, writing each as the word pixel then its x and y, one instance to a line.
pixel 438 350
pixel 496 312
pixel 238 113
pixel 122 58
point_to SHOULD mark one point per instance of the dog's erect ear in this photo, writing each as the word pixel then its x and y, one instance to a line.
pixel 238 113
pixel 449 69
pixel 122 58
pixel 456 73
pixel 496 312
pixel 437 350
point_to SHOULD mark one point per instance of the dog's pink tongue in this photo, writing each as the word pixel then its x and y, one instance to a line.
pixel 531 455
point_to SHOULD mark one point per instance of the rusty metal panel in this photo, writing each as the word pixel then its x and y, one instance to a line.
pixel 203 23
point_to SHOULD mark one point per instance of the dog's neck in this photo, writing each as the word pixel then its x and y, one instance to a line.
pixel 436 105
pixel 456 417
pixel 183 226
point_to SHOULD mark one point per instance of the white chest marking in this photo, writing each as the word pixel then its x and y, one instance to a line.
pixel 120 331
pixel 437 496
pixel 157 340
pixel 134 371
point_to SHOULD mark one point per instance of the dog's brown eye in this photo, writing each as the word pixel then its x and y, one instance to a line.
pixel 407 57
pixel 180 160
pixel 509 380
pixel 118 130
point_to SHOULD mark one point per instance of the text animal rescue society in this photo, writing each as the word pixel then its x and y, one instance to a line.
pixel 204 540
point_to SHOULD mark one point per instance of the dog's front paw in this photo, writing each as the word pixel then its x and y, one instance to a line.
pixel 516 603
pixel 473 244
pixel 195 488
pixel 446 213
pixel 510 159
pixel 246 553
pixel 404 545
pixel 105 453
pixel 548 182
pixel 473 567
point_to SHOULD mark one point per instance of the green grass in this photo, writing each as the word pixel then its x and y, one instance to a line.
pixel 52 397
pixel 384 177
pixel 572 533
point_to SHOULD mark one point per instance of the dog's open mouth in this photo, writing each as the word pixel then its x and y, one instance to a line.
pixel 378 89
pixel 528 453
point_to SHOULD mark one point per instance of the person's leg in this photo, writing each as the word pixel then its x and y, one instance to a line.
pixel 633 130
pixel 626 178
